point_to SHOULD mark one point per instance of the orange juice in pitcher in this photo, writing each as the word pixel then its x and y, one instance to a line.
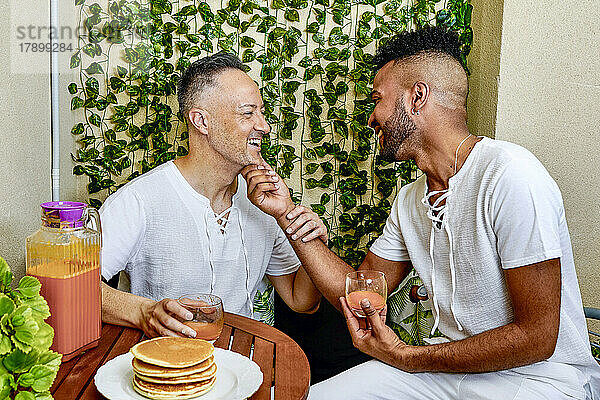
pixel 64 254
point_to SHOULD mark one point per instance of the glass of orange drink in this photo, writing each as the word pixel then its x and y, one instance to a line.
pixel 370 285
pixel 207 315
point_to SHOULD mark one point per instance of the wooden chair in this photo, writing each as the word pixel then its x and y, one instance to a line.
pixel 594 313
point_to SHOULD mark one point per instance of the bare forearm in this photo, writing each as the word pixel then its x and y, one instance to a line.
pixel 505 347
pixel 121 308
pixel 305 296
pixel 326 270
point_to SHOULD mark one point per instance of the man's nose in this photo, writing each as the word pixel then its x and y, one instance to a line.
pixel 262 125
pixel 372 122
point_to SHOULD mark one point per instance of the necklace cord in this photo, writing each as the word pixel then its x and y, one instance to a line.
pixel 456 153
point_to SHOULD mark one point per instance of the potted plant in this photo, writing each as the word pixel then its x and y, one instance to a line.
pixel 27 365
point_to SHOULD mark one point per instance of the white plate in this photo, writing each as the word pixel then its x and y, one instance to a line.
pixel 238 377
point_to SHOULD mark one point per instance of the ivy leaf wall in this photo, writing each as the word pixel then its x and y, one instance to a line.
pixel 312 61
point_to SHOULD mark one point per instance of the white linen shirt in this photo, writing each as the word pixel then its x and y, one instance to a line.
pixel 166 237
pixel 504 211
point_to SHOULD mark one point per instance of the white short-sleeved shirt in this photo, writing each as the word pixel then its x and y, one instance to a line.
pixel 504 211
pixel 165 235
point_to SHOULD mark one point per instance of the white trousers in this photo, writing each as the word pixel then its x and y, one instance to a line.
pixel 378 381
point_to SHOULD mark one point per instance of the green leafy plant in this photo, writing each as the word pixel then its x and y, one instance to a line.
pixel 28 367
pixel 596 349
pixel 312 61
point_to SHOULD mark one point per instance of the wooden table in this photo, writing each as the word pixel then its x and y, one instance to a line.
pixel 281 360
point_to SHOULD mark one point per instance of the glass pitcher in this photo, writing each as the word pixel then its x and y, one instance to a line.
pixel 64 254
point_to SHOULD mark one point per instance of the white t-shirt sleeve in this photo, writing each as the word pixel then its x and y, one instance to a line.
pixel 526 211
pixel 283 259
pixel 390 245
pixel 123 226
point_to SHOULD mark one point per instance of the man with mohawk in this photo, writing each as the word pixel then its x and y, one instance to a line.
pixel 485 229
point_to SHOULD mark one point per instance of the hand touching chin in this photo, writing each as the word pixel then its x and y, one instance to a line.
pixel 266 190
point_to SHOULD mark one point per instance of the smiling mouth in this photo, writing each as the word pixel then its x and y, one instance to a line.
pixel 255 142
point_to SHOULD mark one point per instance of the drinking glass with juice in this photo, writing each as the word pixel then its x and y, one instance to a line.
pixel 207 315
pixel 370 285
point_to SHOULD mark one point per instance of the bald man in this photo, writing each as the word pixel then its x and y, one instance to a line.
pixel 485 229
pixel 187 226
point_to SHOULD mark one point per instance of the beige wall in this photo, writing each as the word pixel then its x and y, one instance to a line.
pixel 484 64
pixel 549 102
pixel 24 150
pixel 25 135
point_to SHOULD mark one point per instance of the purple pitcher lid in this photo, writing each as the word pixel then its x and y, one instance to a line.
pixel 58 214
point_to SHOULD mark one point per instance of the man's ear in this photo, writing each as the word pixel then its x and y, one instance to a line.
pixel 199 119
pixel 419 97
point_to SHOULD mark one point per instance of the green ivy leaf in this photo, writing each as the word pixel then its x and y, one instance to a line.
pixel 336 37
pixel 92 86
pixel 77 129
pixel 122 72
pixel 233 20
pixel 188 10
pixel 131 56
pixel 327 167
pixel 318 38
pixel 76 103
pixel 310 154
pixel 338 17
pixel 234 5
pixel 72 88
pixel 75 60
pixel 347 201
pixel 341 128
pixel 78 170
pixel 311 168
pixel 95 119
pixel 94 68
pixel 291 15
pixel 341 88
pixel 313 27
pixel 318 208
pixel 117 84
pixel 248 56
pixel 159 7
pixel 207 46
pixel 247 41
pixel 290 86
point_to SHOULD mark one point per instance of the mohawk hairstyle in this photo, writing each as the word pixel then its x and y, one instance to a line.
pixel 201 75
pixel 432 39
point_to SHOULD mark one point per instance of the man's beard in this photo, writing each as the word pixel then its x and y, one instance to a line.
pixel 397 129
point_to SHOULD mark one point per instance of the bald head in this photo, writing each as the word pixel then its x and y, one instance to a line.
pixel 432 55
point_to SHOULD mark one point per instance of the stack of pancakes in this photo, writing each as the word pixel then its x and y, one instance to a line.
pixel 173 368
